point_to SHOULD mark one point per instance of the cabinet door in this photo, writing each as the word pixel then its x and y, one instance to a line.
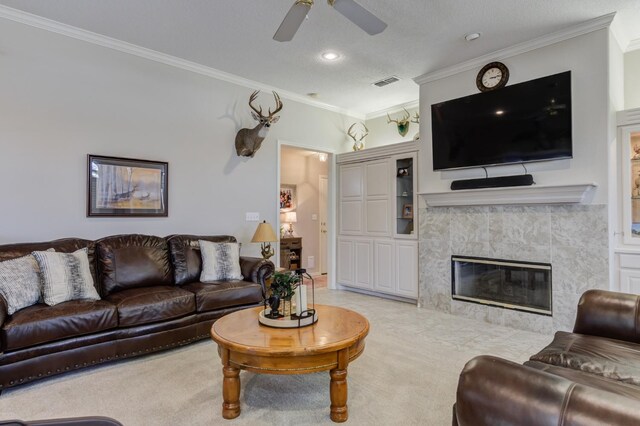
pixel 407 268
pixel 378 197
pixel 345 265
pixel 405 208
pixel 630 281
pixel 363 266
pixel 384 274
pixel 350 199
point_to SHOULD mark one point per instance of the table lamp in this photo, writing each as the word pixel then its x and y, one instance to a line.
pixel 290 218
pixel 264 234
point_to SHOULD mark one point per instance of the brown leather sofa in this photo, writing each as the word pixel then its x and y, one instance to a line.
pixel 152 300
pixel 588 377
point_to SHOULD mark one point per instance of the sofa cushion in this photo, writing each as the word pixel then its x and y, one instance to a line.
pixel 132 261
pixel 186 257
pixel 224 294
pixel 588 379
pixel 41 323
pixel 138 306
pixel 220 261
pixel 65 276
pixel 19 282
pixel 613 359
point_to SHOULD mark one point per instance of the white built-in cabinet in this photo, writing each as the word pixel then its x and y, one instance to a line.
pixel 627 249
pixel 377 247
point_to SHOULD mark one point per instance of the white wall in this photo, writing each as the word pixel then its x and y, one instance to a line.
pixel 632 79
pixel 63 99
pixel 383 133
pixel 587 57
pixel 299 168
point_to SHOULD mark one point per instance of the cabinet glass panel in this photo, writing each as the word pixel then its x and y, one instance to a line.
pixel 404 196
pixel 635 184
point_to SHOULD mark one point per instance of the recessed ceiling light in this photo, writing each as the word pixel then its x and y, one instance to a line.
pixel 472 36
pixel 499 112
pixel 330 56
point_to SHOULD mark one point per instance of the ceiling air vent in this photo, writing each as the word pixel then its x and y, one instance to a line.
pixel 386 81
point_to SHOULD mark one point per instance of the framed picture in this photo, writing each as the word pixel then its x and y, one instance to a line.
pixel 287 197
pixel 126 187
pixel 407 211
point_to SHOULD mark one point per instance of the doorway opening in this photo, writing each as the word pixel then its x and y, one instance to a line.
pixel 304 211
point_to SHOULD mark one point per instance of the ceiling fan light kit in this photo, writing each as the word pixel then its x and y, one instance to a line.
pixel 351 10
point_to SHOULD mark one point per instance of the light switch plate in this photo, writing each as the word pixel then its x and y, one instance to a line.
pixel 314 217
pixel 252 217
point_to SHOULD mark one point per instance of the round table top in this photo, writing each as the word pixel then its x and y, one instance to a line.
pixel 337 328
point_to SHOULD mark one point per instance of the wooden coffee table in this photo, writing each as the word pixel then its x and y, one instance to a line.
pixel 330 344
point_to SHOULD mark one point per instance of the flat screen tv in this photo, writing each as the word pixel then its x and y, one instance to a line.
pixel 524 122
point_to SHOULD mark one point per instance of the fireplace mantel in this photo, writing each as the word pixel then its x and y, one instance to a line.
pixel 536 194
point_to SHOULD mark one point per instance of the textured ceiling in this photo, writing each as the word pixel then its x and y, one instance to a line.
pixel 235 36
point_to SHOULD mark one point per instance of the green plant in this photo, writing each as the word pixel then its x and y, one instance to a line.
pixel 284 284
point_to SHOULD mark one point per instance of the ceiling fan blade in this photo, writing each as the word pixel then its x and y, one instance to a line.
pixel 360 16
pixel 292 21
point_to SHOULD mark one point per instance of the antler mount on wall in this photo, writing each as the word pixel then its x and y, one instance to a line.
pixel 248 141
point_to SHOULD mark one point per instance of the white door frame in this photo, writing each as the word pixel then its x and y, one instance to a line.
pixel 322 255
pixel 331 207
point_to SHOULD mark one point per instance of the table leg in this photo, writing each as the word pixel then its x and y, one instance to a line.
pixel 230 388
pixel 338 388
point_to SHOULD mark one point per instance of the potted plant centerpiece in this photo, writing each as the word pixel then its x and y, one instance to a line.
pixel 278 304
pixel 282 288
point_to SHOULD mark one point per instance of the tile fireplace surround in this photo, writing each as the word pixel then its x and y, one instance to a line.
pixel 573 238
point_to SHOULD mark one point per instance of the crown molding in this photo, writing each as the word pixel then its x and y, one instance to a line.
pixel 132 49
pixel 633 45
pixel 520 48
pixel 393 109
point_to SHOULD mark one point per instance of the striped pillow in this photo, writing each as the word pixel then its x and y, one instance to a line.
pixel 19 282
pixel 65 276
pixel 220 261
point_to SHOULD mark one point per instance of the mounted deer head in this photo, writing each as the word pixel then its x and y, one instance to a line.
pixel 358 145
pixel 402 123
pixel 248 141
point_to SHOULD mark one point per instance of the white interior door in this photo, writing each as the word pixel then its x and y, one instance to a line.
pixel 323 216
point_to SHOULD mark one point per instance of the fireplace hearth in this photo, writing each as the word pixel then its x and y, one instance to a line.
pixel 519 285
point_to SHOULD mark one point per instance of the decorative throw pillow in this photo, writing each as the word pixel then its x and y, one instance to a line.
pixel 65 276
pixel 220 261
pixel 19 282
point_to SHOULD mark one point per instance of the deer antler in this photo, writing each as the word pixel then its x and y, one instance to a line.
pixel 400 121
pixel 354 136
pixel 416 119
pixel 278 105
pixel 253 97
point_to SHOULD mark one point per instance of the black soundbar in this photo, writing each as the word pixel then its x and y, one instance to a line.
pixel 493 182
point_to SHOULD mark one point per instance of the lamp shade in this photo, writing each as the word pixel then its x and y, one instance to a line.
pixel 264 234
pixel 290 217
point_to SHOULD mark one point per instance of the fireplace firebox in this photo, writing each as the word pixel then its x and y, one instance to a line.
pixel 523 286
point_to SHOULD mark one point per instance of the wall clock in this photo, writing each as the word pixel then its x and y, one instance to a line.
pixel 492 76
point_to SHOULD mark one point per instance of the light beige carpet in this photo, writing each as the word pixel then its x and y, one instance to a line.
pixel 407 375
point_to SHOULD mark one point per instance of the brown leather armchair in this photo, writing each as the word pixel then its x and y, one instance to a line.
pixel 588 377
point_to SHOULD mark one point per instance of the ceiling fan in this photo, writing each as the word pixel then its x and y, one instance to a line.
pixel 349 8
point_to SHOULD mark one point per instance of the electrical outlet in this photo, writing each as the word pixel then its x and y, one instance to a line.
pixel 253 217
pixel 311 262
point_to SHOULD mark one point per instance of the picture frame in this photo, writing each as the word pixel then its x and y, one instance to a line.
pixel 407 211
pixel 287 197
pixel 127 187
